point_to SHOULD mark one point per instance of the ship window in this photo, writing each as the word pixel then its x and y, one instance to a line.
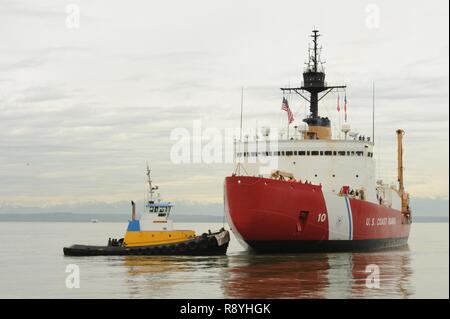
pixel 295 152
pixel 161 214
pixel 308 152
pixel 353 153
pixel 334 153
pixel 288 153
pixel 315 175
pixel 282 153
pixel 360 153
pixel 357 175
pixel 341 153
pixel 334 175
pixel 301 153
pixel 328 153
pixel 150 209
pixel 267 153
pixel 315 153
pixel 321 153
pixel 348 153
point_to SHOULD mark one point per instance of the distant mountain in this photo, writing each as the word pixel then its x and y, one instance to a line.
pixel 424 210
pixel 74 217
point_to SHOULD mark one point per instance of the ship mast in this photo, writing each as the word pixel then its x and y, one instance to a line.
pixel 151 188
pixel 314 83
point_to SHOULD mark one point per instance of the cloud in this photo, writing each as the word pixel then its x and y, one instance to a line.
pixel 81 111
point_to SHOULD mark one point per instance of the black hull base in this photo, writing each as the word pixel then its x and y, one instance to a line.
pixel 313 246
pixel 205 245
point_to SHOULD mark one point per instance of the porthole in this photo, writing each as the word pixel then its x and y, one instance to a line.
pixel 334 175
pixel 315 175
pixel 357 175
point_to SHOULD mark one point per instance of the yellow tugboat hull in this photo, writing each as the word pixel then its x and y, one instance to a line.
pixel 149 238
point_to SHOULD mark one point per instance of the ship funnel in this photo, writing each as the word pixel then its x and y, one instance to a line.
pixel 400 134
pixel 133 211
pixel 401 187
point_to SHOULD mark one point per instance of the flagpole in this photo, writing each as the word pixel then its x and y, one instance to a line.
pixel 288 122
pixel 242 107
pixel 339 114
pixel 373 112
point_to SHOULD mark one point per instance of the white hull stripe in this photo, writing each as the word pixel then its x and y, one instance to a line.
pixel 350 218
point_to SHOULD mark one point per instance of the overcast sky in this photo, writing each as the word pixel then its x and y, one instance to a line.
pixel 84 106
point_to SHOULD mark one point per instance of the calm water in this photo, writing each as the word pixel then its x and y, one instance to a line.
pixel 32 266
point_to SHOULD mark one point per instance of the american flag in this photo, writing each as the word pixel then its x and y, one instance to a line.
pixel 285 107
pixel 345 107
pixel 338 104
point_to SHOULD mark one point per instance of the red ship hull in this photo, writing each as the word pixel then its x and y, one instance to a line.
pixel 278 216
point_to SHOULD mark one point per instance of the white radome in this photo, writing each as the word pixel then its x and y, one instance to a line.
pixel 302 127
pixel 345 128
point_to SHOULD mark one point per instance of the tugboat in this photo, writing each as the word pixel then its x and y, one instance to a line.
pixel 153 234
pixel 312 191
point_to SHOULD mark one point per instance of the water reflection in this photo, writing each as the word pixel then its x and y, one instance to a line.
pixel 175 276
pixel 242 275
pixel 339 275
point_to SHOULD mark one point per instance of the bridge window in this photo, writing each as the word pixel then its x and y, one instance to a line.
pixel 301 153
pixel 328 153
pixel 288 153
pixel 315 153
pixel 341 153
